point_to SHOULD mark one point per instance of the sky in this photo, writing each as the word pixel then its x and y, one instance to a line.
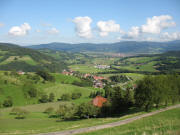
pixel 28 22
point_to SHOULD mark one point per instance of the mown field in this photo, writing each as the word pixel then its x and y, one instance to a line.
pixel 164 123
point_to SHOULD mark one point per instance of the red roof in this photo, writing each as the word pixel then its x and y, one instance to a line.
pixel 98 78
pixel 98 101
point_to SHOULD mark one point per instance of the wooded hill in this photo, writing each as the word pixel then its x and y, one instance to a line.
pixel 14 57
pixel 132 47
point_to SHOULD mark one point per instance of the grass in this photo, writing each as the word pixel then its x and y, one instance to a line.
pixel 164 123
pixel 26 59
pixel 38 122
pixel 86 68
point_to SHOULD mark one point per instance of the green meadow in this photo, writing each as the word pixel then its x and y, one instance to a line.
pixel 164 123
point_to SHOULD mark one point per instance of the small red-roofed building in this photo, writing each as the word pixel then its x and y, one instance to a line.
pixel 98 101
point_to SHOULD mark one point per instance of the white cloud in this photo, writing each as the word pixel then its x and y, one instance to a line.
pixel 133 33
pixel 20 30
pixel 107 26
pixel 83 28
pixel 167 36
pixel 156 24
pixel 53 31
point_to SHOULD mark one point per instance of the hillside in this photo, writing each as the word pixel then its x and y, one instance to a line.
pixel 132 47
pixel 157 63
pixel 14 57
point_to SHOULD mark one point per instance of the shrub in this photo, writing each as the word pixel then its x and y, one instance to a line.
pixel 66 111
pixel 8 102
pixel 87 110
pixel 66 97
pixel 32 92
pixel 51 97
pixel 76 95
pixel 44 98
pixel 21 114
pixel 14 111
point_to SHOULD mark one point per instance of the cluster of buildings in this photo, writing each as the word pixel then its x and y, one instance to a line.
pixel 102 66
pixel 97 80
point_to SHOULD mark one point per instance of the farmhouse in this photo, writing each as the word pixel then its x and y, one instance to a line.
pixel 98 101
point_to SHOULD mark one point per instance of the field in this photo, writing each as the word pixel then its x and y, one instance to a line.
pixel 15 87
pixel 38 122
pixel 164 123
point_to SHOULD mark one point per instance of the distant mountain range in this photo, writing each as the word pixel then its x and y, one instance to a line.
pixel 14 57
pixel 132 47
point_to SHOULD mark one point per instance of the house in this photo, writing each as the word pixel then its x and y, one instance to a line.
pixel 98 84
pixel 98 77
pixel 98 101
pixel 86 75
pixel 21 72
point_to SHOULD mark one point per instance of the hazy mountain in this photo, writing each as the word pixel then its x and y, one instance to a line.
pixel 119 47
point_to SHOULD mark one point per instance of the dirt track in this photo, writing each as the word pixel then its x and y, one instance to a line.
pixel 109 125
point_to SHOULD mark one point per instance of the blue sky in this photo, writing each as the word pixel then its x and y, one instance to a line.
pixel 27 22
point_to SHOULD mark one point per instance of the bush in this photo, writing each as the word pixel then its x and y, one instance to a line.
pixel 76 95
pixel 44 99
pixel 87 110
pixel 66 97
pixel 21 114
pixel 32 92
pixel 46 76
pixel 8 102
pixel 51 97
pixel 66 111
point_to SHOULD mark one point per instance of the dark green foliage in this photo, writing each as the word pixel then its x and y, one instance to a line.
pixel 32 92
pixel 8 102
pixel 108 91
pixel 157 90
pixel 45 75
pixel 51 97
pixel 44 98
pixel 66 111
pixel 66 97
pixel 76 95
pixel 83 83
pixel 87 110
pixel 96 93
pixel 119 78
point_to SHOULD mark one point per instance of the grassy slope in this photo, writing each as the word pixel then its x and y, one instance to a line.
pixel 164 123
pixel 38 122
pixel 14 88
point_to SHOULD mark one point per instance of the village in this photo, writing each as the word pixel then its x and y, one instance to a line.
pixel 97 80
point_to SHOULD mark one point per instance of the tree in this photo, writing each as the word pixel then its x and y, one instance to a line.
pixel 44 98
pixel 66 97
pixel 108 91
pixel 76 95
pixel 8 102
pixel 46 76
pixel 87 110
pixel 51 97
pixel 32 92
pixel 66 111
pixel 118 101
